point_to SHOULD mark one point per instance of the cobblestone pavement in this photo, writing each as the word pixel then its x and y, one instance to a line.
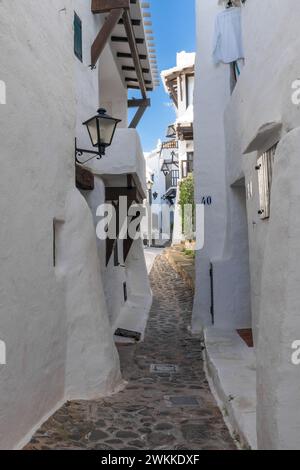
pixel 141 416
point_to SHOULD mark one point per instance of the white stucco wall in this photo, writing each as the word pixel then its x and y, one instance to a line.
pixel 263 97
pixel 225 219
pixel 113 94
pixel 50 317
pixel 270 28
pixel 124 157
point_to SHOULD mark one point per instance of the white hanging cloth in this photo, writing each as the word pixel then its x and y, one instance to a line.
pixel 228 43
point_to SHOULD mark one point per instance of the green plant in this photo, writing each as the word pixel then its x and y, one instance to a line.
pixel 190 253
pixel 186 196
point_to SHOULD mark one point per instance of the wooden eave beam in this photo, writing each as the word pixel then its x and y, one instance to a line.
pixel 125 39
pixel 104 6
pixel 134 52
pixel 127 55
pixel 134 103
pixel 133 87
pixel 137 117
pixel 104 35
pixel 113 194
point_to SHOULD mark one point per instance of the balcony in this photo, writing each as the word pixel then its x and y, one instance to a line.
pixel 172 179
pixel 123 160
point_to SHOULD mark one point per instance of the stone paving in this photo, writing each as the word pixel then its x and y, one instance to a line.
pixel 142 416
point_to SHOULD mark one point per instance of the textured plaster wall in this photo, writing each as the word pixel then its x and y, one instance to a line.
pixel 41 306
pixel 124 157
pixel 263 96
pixel 225 227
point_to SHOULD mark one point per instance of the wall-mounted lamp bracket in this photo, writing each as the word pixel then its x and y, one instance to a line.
pixel 96 154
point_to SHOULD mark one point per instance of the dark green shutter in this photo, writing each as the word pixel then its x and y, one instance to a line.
pixel 78 37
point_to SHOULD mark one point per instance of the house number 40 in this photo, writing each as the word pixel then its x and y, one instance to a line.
pixel 207 201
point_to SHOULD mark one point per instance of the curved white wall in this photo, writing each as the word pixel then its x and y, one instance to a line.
pixel 40 305
pixel 262 96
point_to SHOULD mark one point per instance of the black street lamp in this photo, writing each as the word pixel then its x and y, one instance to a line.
pixel 165 168
pixel 101 129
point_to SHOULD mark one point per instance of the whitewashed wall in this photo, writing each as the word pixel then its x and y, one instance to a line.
pixel 41 306
pixel 225 219
pixel 263 96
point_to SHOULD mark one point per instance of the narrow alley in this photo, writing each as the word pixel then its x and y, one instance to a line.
pixel 174 411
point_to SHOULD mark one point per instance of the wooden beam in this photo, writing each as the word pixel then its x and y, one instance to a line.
pixel 129 68
pixel 84 178
pixel 134 87
pixel 110 245
pixel 126 39
pixel 104 6
pixel 127 55
pixel 134 52
pixel 134 79
pixel 104 35
pixel 134 103
pixel 134 22
pixel 128 242
pixel 137 117
pixel 113 194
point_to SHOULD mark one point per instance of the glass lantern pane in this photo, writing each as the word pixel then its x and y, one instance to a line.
pixel 107 127
pixel 92 128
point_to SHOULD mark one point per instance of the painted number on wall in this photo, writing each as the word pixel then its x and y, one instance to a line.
pixel 206 200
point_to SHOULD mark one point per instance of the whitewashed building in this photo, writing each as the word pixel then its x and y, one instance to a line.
pixel 163 190
pixel 63 291
pixel 179 85
pixel 247 139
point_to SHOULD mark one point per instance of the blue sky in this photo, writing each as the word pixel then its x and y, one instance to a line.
pixel 174 31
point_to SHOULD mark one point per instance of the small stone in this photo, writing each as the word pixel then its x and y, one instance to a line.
pixel 100 423
pixel 136 443
pixel 144 430
pixel 163 427
pixel 160 439
pixel 113 441
pixel 97 435
pixel 126 435
pixel 195 432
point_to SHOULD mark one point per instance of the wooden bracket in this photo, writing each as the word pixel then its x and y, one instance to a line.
pixel 137 117
pixel 134 103
pixel 142 105
pixel 104 6
pixel 104 35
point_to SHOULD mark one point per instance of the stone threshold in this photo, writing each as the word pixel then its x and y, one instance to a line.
pixel 231 371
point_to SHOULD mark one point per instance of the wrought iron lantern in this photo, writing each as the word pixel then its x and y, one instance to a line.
pixel 166 168
pixel 171 131
pixel 101 129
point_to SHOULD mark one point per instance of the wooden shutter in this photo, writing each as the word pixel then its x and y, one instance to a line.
pixel 78 37
pixel 265 172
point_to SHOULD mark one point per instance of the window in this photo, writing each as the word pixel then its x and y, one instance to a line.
pixel 264 168
pixel 78 37
pixel 172 179
pixel 187 166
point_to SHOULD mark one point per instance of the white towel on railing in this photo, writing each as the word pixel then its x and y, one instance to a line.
pixel 228 43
